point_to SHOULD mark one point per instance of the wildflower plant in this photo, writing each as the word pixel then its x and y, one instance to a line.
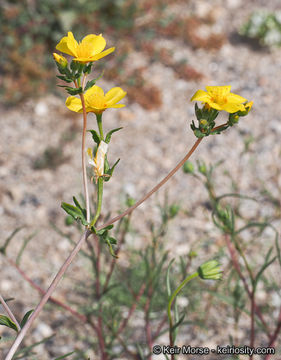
pixel 264 26
pixel 86 98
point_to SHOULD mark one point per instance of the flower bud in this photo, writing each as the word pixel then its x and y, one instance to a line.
pixel 188 167
pixel 210 270
pixel 60 60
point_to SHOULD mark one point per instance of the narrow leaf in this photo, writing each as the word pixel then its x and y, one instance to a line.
pixel 90 84
pixel 5 321
pixel 109 134
pixel 25 318
pixel 75 212
pixel 95 136
pixel 101 231
pixel 177 324
pixel 266 264
pixel 110 171
pixel 168 283
pixel 65 356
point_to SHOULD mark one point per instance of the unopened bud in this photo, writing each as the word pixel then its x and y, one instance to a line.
pixel 60 60
pixel 210 270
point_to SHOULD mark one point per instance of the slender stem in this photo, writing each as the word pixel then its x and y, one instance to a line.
pixel 100 193
pixel 157 187
pixel 99 121
pixel 78 246
pixel 47 295
pixel 147 321
pixel 246 287
pixel 132 309
pixel 114 259
pixel 161 183
pixel 84 170
pixel 252 341
pixel 9 311
pixel 241 253
pixel 41 291
pixel 274 336
pixel 172 298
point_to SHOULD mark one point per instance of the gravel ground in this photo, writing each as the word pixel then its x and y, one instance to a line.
pixel 149 145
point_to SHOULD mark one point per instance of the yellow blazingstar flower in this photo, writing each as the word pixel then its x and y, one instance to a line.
pixel 88 50
pixel 220 98
pixel 60 59
pixel 98 160
pixel 96 101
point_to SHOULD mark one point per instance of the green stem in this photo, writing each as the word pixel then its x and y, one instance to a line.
pixel 99 120
pixel 241 253
pixel 100 193
pixel 172 298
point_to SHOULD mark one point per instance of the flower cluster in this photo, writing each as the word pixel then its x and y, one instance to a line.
pixel 91 97
pixel 215 99
pixel 84 53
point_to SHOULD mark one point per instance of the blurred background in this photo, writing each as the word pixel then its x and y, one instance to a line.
pixel 165 51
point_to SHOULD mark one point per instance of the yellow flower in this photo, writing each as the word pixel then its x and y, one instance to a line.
pixel 248 106
pixel 220 98
pixel 61 60
pixel 96 101
pixel 89 49
pixel 98 160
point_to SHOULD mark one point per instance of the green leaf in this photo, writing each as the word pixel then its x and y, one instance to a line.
pixel 112 240
pixel 177 324
pixel 103 230
pixel 168 283
pixel 106 165
pixel 25 318
pixel 95 136
pixel 74 65
pixel 266 264
pixel 90 84
pixel 73 91
pixel 76 212
pixel 278 248
pixel 27 351
pixel 109 134
pixel 109 243
pixel 64 356
pixel 64 78
pixel 5 321
pixel 110 171
pixel 76 202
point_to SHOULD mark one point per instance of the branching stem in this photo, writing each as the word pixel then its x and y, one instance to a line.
pixel 9 311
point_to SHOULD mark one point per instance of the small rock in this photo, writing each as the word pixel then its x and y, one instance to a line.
pixel 43 330
pixel 41 108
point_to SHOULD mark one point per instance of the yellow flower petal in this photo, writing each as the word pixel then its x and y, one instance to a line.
pixel 95 43
pixel 114 95
pixel 117 106
pixel 68 45
pixel 94 92
pixel 235 98
pixel 220 91
pixel 94 99
pixel 200 95
pixel 232 108
pixel 74 104
pixel 102 54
